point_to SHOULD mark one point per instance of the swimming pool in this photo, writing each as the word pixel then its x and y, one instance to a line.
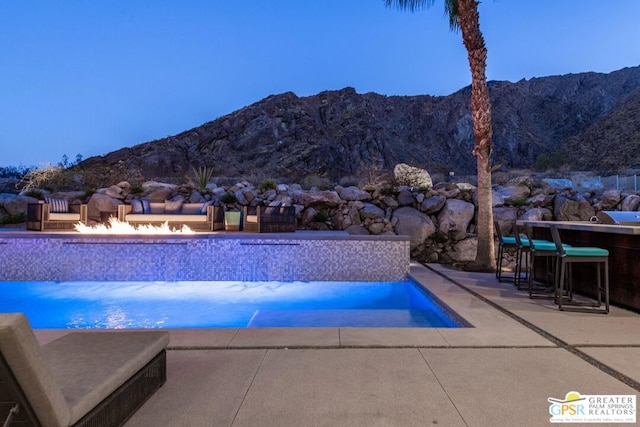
pixel 204 304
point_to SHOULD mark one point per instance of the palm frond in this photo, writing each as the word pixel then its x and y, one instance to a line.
pixel 450 8
pixel 411 5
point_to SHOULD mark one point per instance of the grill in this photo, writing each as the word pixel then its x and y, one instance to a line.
pixel 618 218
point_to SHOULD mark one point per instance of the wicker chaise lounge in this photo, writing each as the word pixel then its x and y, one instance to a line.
pixel 80 379
pixel 270 219
pixel 197 216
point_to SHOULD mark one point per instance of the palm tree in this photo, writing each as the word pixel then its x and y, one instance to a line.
pixel 463 15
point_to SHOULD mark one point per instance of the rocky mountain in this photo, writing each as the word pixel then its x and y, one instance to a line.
pixel 593 117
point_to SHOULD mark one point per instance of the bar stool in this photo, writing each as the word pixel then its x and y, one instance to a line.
pixel 569 255
pixel 504 242
pixel 537 248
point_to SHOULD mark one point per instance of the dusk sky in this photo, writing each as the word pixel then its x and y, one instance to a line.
pixel 91 76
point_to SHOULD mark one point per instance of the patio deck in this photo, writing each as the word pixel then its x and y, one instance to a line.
pixel 499 373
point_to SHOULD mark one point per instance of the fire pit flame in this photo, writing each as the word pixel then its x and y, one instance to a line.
pixel 119 227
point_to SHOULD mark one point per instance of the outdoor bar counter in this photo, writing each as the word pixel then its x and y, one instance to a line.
pixel 623 244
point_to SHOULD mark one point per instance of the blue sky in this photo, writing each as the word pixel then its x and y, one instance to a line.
pixel 91 76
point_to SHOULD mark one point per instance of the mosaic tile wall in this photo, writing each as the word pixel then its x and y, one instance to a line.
pixel 210 257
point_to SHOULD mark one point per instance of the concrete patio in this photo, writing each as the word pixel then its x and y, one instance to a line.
pixel 498 373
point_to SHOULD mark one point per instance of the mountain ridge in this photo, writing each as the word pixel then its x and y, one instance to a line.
pixel 342 133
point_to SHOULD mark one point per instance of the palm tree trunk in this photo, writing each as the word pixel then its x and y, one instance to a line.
pixel 468 19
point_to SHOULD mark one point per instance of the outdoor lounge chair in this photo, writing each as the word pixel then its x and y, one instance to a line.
pixel 80 379
pixel 55 216
pixel 270 219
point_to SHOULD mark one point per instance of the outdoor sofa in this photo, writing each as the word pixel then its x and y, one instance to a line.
pixel 197 216
pixel 55 214
pixel 269 219
pixel 81 379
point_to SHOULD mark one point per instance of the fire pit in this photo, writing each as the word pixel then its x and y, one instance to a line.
pixel 115 226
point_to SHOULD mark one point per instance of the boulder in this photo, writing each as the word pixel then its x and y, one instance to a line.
pixel 240 197
pixel 537 214
pixel 357 230
pixel 412 176
pixel 324 198
pixel 405 198
pixel 149 186
pixel 513 194
pixel 455 217
pixel 158 194
pixel 413 223
pixel 572 209
pixel 114 191
pixel 496 198
pixel 354 193
pixel 465 250
pixel 433 204
pixel 610 199
pixel 390 202
pixel 371 211
pixel 307 216
pixel 101 203
pixel 376 228
pixel 540 200
pixel 196 197
pixel 16 205
pixel 70 196
pixel 505 216
pixel 557 184
pixel 630 203
pixel 354 214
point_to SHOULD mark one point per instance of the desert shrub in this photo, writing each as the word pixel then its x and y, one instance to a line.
pixel 317 181
pixel 553 161
pixel 14 219
pixel 519 203
pixel 388 190
pixel 136 188
pixel 439 237
pixel 88 192
pixel 375 174
pixel 267 184
pixel 320 216
pixel 36 194
pixel 228 198
pixel 52 178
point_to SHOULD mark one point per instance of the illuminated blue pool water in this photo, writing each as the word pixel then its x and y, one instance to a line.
pixel 224 304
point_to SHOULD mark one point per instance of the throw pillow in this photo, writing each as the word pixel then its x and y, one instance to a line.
pixel 173 207
pixel 203 209
pixel 136 206
pixel 57 205
pixel 146 206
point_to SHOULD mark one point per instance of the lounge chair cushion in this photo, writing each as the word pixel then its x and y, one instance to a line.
pixel 57 205
pixel 28 364
pixel 173 206
pixel 136 206
pixel 90 366
pixel 64 217
pixel 165 217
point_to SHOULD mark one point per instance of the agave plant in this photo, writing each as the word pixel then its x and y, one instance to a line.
pixel 202 177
